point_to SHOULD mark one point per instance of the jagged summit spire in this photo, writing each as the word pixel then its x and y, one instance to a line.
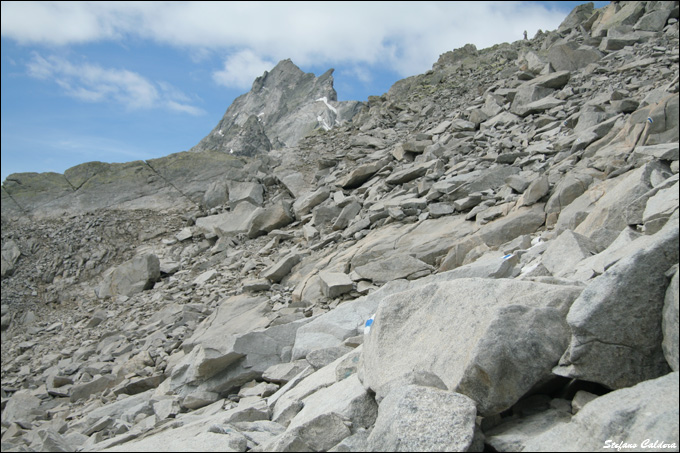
pixel 284 102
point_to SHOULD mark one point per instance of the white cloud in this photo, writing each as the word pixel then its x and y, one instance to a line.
pixel 403 36
pixel 241 69
pixel 92 83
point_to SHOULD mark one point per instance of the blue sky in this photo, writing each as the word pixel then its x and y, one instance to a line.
pixel 122 81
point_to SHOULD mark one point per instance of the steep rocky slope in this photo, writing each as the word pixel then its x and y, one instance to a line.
pixel 483 258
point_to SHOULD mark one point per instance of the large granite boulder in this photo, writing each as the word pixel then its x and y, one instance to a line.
pixel 645 417
pixel 416 418
pixel 616 321
pixel 508 335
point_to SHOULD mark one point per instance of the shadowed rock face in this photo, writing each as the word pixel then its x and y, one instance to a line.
pixel 283 106
pixel 437 274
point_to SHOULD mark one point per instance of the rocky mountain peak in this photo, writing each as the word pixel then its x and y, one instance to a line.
pixel 288 104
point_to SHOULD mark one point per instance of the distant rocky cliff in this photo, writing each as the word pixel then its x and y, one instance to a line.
pixel 283 106
pixel 484 259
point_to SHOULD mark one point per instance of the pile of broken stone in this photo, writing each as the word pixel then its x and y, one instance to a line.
pixel 486 257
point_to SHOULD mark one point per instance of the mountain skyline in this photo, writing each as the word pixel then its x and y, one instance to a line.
pixel 114 83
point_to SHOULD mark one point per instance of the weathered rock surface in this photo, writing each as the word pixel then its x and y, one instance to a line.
pixel 132 277
pixel 417 418
pixel 629 295
pixel 490 319
pixel 617 418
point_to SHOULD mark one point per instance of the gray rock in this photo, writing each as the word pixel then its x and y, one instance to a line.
pixel 661 205
pixel 216 195
pixel 367 141
pixel 566 251
pixel 616 322
pixel 334 284
pixel 577 16
pixel 347 215
pixel 264 220
pixel 346 398
pixel 605 218
pixel 356 442
pixel 416 418
pixel 332 328
pixel 207 433
pixel 251 354
pixel 526 94
pixel 463 204
pixel 295 184
pixel 287 442
pixel 48 440
pixel 23 408
pixel 96 385
pixel 437 210
pixel 228 223
pixel 120 408
pixel 393 267
pixel 166 408
pixel 517 183
pixel 409 173
pixel 284 372
pixel 287 402
pixel 199 398
pixel 323 215
pixel 581 398
pixel 10 255
pixel 491 333
pixel 306 203
pixel 250 192
pixel 254 285
pixel 653 21
pixel 416 146
pixel 319 358
pixel 662 151
pixel 134 276
pixel 259 432
pixel 462 125
pixel 513 435
pixel 276 272
pixel 211 346
pixel 538 188
pixel 645 413
pixel 538 106
pixel 247 411
pixel 669 324
pixel 322 432
pixel 491 265
pixel 555 80
pixel 361 174
pixel 522 221
pixel 572 57
pixel 567 190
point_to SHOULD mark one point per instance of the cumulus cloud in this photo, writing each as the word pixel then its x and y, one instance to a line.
pixel 406 37
pixel 93 83
pixel 241 68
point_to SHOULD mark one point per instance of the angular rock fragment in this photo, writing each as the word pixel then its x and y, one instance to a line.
pixel 415 418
